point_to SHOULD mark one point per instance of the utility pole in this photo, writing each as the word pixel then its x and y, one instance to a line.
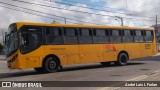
pixel 65 20
pixel 3 43
pixel 2 38
pixel 126 3
pixel 120 19
pixel 5 47
pixel 156 25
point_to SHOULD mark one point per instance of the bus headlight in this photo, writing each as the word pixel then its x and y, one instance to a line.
pixel 12 60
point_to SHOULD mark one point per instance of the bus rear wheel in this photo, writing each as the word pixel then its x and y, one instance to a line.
pixel 51 65
pixel 122 59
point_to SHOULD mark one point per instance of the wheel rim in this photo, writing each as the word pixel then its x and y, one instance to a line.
pixel 52 65
pixel 123 59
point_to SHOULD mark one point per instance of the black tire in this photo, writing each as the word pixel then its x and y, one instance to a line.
pixel 122 59
pixel 51 65
pixel 106 63
pixel 40 69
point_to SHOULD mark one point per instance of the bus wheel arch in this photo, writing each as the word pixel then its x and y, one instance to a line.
pixel 51 59
pixel 122 58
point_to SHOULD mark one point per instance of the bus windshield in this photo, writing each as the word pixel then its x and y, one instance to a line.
pixel 13 45
pixel 11 40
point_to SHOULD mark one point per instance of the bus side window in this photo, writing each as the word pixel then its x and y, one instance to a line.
pixel 85 36
pixel 100 36
pixel 149 36
pixel 138 36
pixel 127 37
pixel 54 35
pixel 115 36
pixel 70 36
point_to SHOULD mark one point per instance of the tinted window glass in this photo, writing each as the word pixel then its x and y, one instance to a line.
pixel 149 36
pixel 30 38
pixel 100 32
pixel 69 32
pixel 115 36
pixel 127 32
pixel 138 36
pixel 70 36
pixel 127 36
pixel 54 35
pixel 85 36
pixel 85 32
pixel 100 36
pixel 138 33
pixel 148 33
pixel 54 31
pixel 115 33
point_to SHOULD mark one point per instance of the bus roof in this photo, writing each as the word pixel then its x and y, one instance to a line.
pixel 80 25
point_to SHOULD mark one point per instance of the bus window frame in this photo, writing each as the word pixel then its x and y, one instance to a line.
pixel 45 35
pixel 21 30
pixel 65 36
pixel 94 34
pixel 119 35
pixel 90 34
pixel 130 34
pixel 152 34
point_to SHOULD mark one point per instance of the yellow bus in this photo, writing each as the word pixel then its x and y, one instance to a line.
pixel 49 47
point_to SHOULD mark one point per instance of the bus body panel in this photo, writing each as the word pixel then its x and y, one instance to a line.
pixel 32 59
pixel 90 53
pixel 14 64
pixel 111 51
pixel 70 54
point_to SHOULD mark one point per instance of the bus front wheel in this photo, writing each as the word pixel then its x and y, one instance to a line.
pixel 50 65
pixel 122 59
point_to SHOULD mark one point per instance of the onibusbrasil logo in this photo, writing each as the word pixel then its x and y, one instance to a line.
pixel 21 84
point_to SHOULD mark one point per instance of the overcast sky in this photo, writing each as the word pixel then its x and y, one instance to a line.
pixel 105 11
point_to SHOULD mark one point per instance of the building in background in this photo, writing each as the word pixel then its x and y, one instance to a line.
pixel 157 28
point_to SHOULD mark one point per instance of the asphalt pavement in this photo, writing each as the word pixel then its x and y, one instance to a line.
pixel 144 69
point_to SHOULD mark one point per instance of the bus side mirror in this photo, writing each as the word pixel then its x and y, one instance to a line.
pixel 6 39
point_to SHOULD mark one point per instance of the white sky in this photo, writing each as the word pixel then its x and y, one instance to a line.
pixel 147 8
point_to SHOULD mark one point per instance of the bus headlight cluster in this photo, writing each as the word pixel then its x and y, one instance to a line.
pixel 13 59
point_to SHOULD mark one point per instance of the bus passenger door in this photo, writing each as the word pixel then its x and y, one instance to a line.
pixel 30 46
